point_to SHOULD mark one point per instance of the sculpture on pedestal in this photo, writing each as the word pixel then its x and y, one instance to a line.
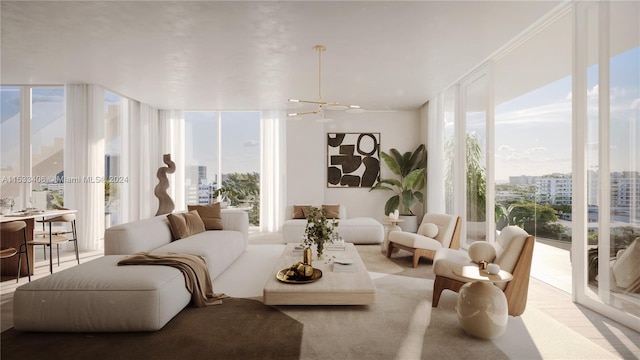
pixel 166 203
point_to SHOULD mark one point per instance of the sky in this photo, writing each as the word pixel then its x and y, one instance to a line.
pixel 533 131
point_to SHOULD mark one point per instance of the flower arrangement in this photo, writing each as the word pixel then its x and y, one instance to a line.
pixel 319 229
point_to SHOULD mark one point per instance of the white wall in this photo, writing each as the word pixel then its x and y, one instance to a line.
pixel 307 163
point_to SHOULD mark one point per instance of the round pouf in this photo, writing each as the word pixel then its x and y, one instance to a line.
pixel 482 309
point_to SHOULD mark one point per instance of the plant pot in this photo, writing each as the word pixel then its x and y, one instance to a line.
pixel 410 223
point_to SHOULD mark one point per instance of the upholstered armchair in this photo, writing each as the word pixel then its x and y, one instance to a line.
pixel 436 231
pixel 512 251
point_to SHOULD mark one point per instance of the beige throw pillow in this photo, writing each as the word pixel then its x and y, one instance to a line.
pixel 300 211
pixel 428 229
pixel 333 211
pixel 183 225
pixel 210 214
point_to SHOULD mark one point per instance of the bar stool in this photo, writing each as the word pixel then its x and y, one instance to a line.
pixel 57 236
pixel 10 228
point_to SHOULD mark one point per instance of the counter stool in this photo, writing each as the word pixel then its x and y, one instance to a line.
pixel 13 227
pixel 57 236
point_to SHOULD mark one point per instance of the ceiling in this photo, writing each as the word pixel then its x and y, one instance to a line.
pixel 240 55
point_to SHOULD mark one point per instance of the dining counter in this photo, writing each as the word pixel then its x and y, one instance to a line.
pixel 8 266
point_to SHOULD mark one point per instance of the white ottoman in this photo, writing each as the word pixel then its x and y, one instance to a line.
pixel 100 296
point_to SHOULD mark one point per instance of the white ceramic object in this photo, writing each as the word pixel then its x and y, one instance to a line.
pixel 482 309
pixel 493 268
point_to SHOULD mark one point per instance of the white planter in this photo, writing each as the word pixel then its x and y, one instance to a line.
pixel 410 223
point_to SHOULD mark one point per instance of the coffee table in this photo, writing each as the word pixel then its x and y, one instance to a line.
pixel 333 288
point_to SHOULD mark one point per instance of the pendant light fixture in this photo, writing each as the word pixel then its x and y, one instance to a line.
pixel 322 105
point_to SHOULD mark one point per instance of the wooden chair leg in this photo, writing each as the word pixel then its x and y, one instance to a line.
pixel 438 287
pixel 416 258
pixel 389 249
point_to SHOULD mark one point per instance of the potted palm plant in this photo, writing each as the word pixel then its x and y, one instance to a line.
pixel 410 170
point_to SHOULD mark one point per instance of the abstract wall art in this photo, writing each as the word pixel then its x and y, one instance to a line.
pixel 353 159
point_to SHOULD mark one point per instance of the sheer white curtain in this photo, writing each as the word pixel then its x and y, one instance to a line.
pixel 143 160
pixel 272 178
pixel 84 160
pixel 435 158
pixel 171 130
pixel 153 133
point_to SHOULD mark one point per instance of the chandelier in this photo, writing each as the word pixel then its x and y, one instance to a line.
pixel 322 105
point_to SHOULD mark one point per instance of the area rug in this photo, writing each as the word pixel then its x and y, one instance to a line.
pixel 237 329
pixel 400 325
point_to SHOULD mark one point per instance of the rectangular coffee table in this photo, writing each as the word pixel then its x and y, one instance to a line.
pixel 333 288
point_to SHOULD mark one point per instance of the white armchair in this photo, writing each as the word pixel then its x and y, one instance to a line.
pixel 436 231
pixel 512 251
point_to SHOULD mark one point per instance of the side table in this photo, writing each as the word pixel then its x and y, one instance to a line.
pixel 482 307
pixel 392 225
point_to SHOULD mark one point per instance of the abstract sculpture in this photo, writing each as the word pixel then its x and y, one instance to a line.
pixel 166 204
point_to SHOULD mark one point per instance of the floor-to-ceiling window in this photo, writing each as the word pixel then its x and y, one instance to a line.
pixel 240 159
pixel 10 164
pixel 474 100
pixel 47 146
pixel 533 143
pixel 611 95
pixel 561 137
pixel 222 151
pixel 32 133
pixel 201 156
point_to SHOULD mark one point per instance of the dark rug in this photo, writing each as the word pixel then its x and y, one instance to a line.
pixel 213 332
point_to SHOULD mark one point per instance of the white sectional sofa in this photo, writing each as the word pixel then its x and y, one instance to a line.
pixel 358 230
pixel 100 296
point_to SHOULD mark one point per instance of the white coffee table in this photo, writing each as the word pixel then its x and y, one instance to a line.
pixel 333 288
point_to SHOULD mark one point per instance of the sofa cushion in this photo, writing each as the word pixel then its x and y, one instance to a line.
pixel 218 248
pixel 100 296
pixel 185 224
pixel 415 241
pixel 509 245
pixel 299 211
pixel 210 215
pixel 141 235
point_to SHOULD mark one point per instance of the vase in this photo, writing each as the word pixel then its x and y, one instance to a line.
pixel 320 251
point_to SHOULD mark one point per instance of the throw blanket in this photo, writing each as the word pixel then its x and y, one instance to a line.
pixel 194 268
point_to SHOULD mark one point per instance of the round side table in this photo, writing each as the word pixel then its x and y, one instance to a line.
pixel 391 226
pixel 482 307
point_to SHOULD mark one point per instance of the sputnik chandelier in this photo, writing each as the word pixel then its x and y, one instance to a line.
pixel 322 105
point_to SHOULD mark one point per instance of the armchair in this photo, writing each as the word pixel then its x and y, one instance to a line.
pixel 447 235
pixel 513 252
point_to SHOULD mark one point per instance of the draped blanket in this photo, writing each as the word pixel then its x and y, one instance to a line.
pixel 193 267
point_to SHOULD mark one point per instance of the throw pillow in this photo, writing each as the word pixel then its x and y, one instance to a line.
pixel 481 250
pixel 210 214
pixel 300 211
pixel 183 225
pixel 333 211
pixel 428 230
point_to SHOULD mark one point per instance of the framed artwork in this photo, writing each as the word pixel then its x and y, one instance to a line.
pixel 353 160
